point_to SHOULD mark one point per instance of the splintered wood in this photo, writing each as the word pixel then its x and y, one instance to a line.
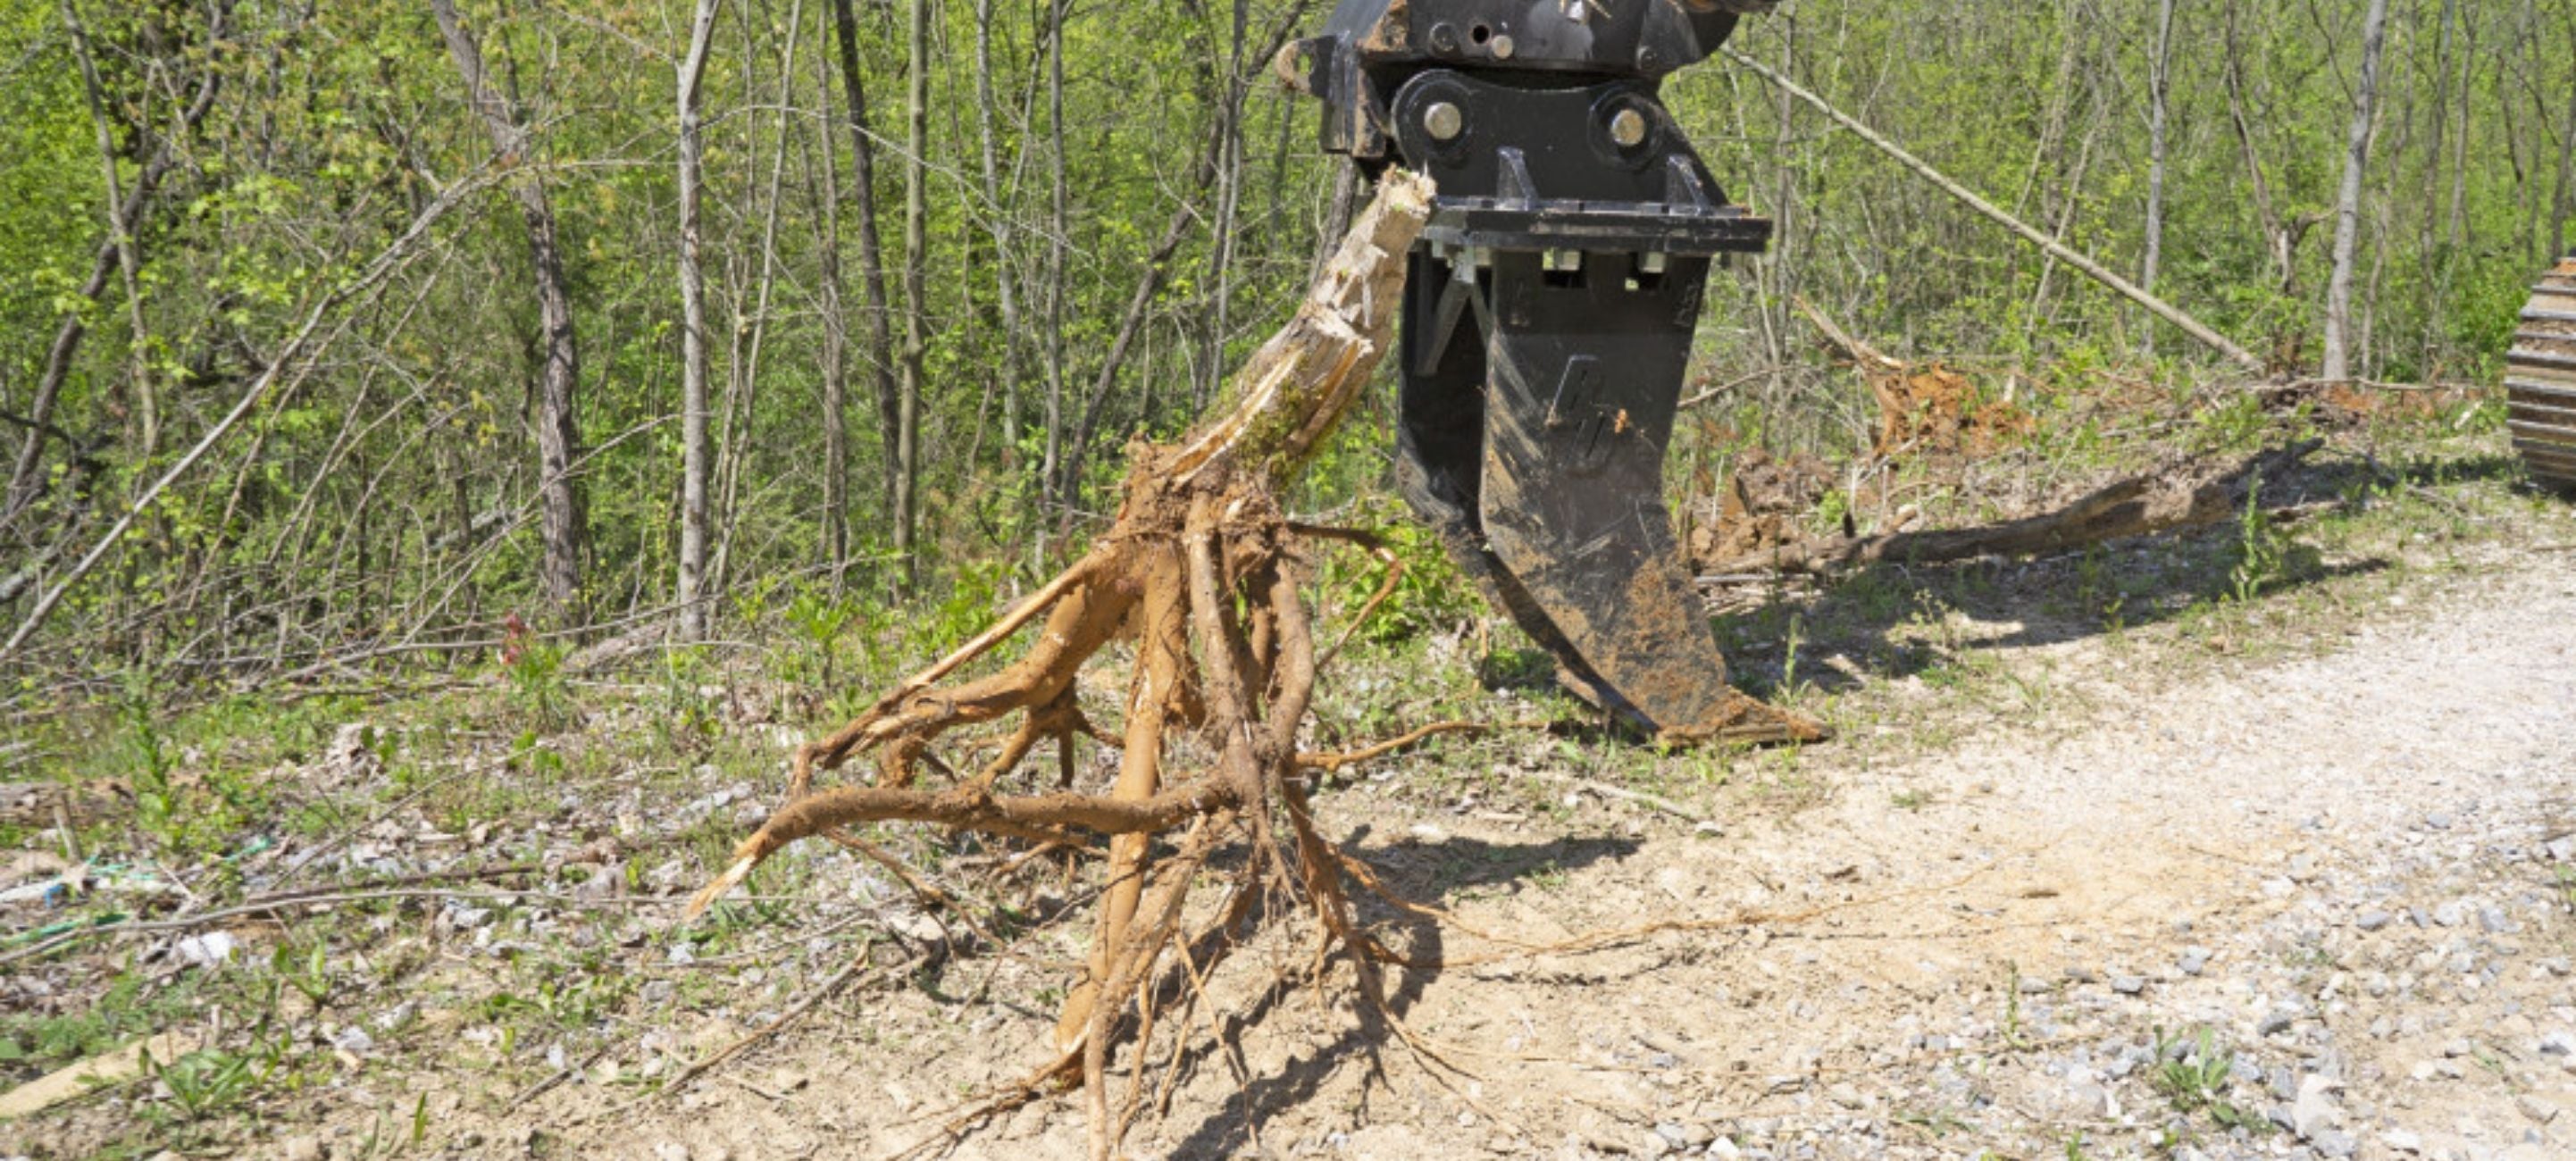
pixel 1199 577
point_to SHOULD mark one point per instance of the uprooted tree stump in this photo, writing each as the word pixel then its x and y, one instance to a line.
pixel 1199 576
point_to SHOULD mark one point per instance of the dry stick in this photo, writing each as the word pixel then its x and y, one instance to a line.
pixel 317 899
pixel 1329 763
pixel 925 891
pixel 1332 762
pixel 821 993
pixel 1623 794
pixel 2094 270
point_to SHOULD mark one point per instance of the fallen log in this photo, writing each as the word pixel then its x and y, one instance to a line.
pixel 2193 493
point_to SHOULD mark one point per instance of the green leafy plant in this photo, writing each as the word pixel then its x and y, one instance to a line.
pixel 2262 550
pixel 534 667
pixel 204 1083
pixel 2197 1081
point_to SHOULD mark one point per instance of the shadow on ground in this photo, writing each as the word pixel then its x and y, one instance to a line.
pixel 1887 618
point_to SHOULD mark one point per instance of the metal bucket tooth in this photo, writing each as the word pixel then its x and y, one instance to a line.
pixel 1534 442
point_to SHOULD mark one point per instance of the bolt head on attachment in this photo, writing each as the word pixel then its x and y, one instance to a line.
pixel 1628 128
pixel 1443 121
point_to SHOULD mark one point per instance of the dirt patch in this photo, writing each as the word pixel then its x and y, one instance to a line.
pixel 1764 504
pixel 1928 409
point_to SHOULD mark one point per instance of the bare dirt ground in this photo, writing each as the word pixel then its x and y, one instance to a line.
pixel 2323 897
pixel 2245 888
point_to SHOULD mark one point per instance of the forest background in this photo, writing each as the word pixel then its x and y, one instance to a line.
pixel 385 329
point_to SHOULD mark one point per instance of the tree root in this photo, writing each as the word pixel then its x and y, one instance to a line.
pixel 1199 576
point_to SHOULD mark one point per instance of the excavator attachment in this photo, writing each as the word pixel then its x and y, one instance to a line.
pixel 1548 317
pixel 2540 379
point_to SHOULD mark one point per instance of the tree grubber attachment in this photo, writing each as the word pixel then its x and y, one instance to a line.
pixel 1548 316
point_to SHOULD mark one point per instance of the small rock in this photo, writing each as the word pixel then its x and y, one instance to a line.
pixel 2373 920
pixel 302 1149
pixel 1724 1150
pixel 2540 1111
pixel 2492 920
pixel 2314 1111
pixel 1652 1145
pixel 213 949
pixel 2278 1020
pixel 1673 1135
pixel 2438 820
pixel 2194 958
pixel 2401 1141
pixel 2128 985
pixel 2558 1044
pixel 2335 1143
pixel 2284 1084
pixel 1846 1096
pixel 2450 914
pixel 353 1040
pixel 670 1151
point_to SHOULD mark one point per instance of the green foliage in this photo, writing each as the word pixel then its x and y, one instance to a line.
pixel 1431 595
pixel 2262 551
pixel 2196 1081
pixel 384 494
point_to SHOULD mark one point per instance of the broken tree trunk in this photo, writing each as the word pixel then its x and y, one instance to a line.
pixel 2190 495
pixel 1199 574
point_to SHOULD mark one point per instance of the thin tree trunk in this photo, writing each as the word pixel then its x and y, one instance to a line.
pixel 1005 270
pixel 2430 260
pixel 147 407
pixel 693 336
pixel 872 281
pixel 1229 197
pixel 1050 479
pixel 564 525
pixel 916 260
pixel 836 341
pixel 751 338
pixel 2337 361
pixel 2159 92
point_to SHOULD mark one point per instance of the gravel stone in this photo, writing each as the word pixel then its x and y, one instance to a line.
pixel 2373 920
